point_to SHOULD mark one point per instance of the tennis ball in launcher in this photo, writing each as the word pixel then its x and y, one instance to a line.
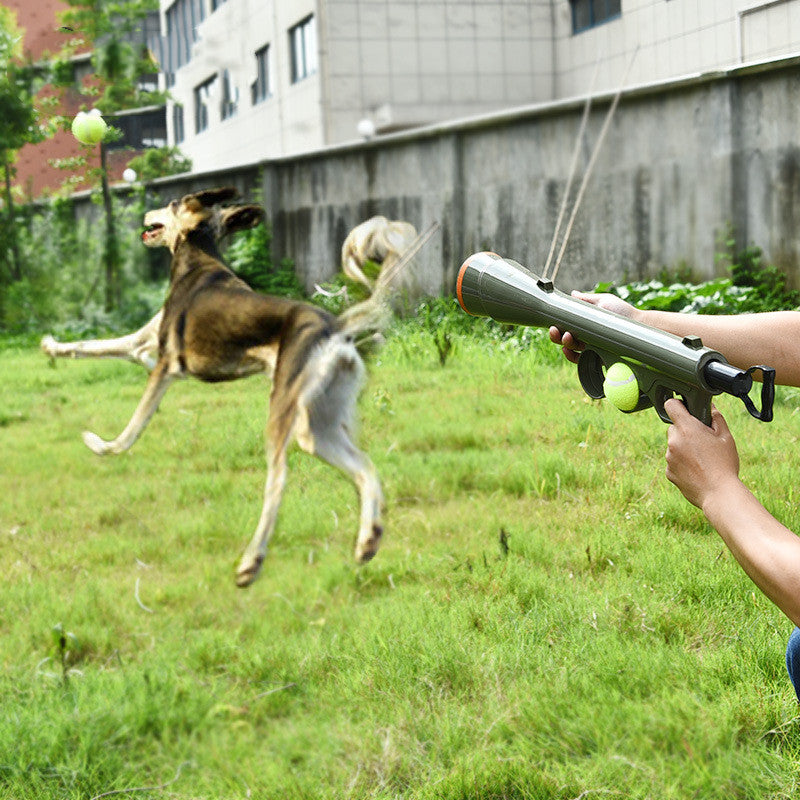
pixel 89 127
pixel 621 387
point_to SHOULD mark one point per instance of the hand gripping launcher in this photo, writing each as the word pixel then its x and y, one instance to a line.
pixel 665 365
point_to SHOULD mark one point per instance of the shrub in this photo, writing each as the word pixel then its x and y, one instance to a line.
pixel 250 257
pixel 770 292
pixel 340 292
pixel 159 161
pixel 752 287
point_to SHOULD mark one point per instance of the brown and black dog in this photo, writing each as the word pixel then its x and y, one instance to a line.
pixel 377 239
pixel 214 327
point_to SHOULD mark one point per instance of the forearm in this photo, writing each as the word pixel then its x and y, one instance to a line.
pixel 746 340
pixel 767 551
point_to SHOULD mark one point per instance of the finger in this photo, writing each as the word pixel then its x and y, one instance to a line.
pixel 589 297
pixel 572 342
pixel 676 410
pixel 571 355
pixel 555 335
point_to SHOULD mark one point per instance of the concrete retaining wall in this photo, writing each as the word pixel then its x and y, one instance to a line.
pixel 681 162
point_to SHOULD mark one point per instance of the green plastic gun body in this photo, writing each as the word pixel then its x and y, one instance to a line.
pixel 665 366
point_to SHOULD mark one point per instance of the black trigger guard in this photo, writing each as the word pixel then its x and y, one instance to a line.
pixel 590 374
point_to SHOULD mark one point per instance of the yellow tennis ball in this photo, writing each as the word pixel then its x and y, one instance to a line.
pixel 621 387
pixel 89 128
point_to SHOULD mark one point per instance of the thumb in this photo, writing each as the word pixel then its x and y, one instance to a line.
pixel 718 423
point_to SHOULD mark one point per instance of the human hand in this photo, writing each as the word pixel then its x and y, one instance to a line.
pixel 701 460
pixel 610 302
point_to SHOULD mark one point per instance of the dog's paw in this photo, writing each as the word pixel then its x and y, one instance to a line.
pixel 367 549
pixel 248 571
pixel 96 444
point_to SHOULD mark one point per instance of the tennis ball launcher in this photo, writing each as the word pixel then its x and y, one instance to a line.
pixel 665 365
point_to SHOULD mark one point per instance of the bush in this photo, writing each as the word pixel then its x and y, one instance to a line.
pixel 159 161
pixel 753 287
pixel 770 292
pixel 250 257
pixel 340 292
pixel 60 289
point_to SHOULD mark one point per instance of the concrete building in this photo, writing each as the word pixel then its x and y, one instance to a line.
pixel 258 79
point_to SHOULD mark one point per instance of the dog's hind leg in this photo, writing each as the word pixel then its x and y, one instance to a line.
pixel 326 435
pixel 339 451
pixel 157 384
pixel 279 432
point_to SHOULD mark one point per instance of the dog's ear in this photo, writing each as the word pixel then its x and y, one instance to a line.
pixel 240 218
pixel 211 197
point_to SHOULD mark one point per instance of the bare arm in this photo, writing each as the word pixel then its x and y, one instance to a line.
pixel 771 338
pixel 703 463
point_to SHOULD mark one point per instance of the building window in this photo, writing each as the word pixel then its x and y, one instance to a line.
pixel 141 130
pixel 148 42
pixel 183 17
pixel 177 123
pixel 303 49
pixel 82 68
pixel 588 13
pixel 230 96
pixel 261 88
pixel 202 102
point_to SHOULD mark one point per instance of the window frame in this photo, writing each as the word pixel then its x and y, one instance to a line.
pixel 590 7
pixel 229 96
pixel 202 94
pixel 142 129
pixel 178 123
pixel 303 58
pixel 182 19
pixel 261 87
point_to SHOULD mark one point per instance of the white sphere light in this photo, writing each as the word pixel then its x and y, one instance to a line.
pixel 129 175
pixel 366 128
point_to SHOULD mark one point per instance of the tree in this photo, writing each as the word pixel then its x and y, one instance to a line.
pixel 110 28
pixel 18 123
pixel 157 162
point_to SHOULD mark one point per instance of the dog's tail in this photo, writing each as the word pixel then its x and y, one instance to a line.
pixel 373 314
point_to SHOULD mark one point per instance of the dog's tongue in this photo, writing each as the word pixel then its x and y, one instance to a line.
pixel 148 233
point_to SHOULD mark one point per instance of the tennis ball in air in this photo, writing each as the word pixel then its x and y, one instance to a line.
pixel 620 387
pixel 89 127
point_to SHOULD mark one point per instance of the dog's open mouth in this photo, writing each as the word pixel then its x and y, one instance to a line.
pixel 152 232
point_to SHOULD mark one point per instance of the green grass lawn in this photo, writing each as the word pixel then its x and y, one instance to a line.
pixel 547 617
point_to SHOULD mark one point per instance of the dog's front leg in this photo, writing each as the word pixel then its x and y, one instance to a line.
pixel 280 428
pixel 140 347
pixel 157 384
pixel 256 551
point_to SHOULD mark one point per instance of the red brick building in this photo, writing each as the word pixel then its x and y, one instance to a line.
pixel 43 36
